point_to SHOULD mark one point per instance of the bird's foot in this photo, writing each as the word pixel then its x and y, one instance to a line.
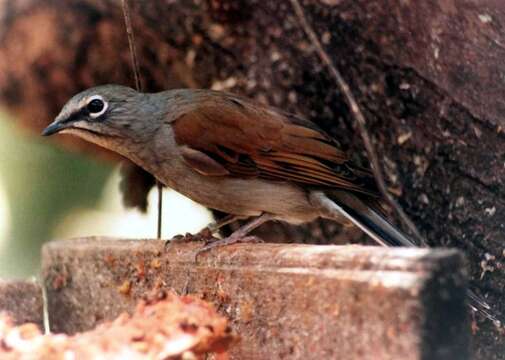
pixel 203 235
pixel 227 241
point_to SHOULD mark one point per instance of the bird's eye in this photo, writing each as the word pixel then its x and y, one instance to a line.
pixel 96 106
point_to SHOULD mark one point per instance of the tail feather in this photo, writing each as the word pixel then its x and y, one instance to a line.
pixel 376 226
pixel 383 232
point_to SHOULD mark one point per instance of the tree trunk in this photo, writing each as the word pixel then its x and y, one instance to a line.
pixel 428 75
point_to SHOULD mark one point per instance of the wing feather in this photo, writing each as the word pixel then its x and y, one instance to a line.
pixel 251 140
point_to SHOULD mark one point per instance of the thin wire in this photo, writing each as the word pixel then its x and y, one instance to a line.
pixel 131 44
pixel 360 120
pixel 138 86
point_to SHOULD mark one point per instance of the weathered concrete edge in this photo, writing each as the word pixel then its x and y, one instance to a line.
pixel 352 257
pixel 429 273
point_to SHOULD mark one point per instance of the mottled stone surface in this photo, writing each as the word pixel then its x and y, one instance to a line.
pixel 285 301
pixel 22 301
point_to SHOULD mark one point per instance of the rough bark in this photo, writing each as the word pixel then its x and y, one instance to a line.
pixel 429 76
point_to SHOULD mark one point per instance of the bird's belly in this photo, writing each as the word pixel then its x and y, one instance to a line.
pixel 247 197
pixel 237 196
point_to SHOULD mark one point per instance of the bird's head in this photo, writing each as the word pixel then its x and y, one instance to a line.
pixel 106 115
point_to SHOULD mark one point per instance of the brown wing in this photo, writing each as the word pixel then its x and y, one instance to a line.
pixel 250 140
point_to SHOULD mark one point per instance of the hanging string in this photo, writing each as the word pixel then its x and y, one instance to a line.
pixel 138 86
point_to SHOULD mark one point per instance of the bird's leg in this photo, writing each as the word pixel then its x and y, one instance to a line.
pixel 239 235
pixel 206 234
pixel 214 227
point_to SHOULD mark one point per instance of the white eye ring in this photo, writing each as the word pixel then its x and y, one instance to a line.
pixel 98 113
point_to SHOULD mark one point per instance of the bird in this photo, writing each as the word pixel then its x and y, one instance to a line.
pixel 232 154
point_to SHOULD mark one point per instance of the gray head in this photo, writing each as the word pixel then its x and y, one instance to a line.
pixel 106 115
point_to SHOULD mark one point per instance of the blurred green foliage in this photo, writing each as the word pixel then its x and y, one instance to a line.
pixel 43 182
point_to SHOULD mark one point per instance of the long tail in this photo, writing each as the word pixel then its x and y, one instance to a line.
pixel 371 221
pixel 374 224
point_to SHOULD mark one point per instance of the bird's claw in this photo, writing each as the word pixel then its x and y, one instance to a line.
pixel 204 235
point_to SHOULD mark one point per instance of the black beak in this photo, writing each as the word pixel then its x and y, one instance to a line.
pixel 54 128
